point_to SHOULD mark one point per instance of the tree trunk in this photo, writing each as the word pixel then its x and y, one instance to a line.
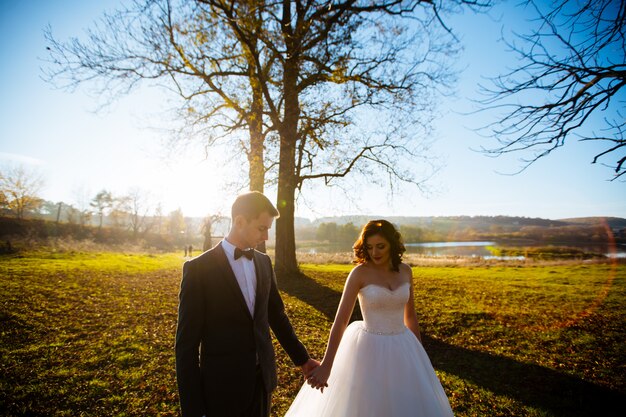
pixel 285 260
pixel 59 212
pixel 207 244
pixel 255 156
pixel 255 125
pixel 256 165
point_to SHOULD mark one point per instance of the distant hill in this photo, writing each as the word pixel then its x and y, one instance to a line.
pixel 498 228
pixel 612 222
pixel 479 222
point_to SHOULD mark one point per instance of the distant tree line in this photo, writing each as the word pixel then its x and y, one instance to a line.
pixel 104 217
pixel 110 218
pixel 502 229
pixel 327 233
pixel 332 232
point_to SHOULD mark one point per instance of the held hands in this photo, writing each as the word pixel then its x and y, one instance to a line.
pixel 309 366
pixel 316 374
pixel 319 376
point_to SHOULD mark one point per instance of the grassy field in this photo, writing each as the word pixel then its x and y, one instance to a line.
pixel 92 334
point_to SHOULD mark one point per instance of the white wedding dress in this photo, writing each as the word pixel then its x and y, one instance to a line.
pixel 380 369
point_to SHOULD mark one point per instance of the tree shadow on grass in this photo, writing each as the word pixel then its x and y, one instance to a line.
pixel 535 386
pixel 324 299
pixel 555 392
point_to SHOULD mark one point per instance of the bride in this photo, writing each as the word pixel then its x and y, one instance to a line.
pixel 376 367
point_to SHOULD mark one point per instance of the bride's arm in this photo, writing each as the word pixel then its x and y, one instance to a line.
pixel 410 317
pixel 320 375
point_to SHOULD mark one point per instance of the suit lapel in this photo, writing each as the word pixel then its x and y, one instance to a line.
pixel 230 279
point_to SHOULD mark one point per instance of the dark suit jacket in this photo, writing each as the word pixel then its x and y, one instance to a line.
pixel 218 341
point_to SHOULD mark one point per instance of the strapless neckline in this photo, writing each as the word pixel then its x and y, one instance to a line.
pixel 385 288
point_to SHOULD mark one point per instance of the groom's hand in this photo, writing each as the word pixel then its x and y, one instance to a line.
pixel 318 377
pixel 308 367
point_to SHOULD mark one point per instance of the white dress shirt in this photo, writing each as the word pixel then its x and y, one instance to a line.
pixel 244 272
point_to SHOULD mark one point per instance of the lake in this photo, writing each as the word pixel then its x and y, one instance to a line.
pixel 464 249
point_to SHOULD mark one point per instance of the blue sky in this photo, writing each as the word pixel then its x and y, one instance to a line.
pixel 80 151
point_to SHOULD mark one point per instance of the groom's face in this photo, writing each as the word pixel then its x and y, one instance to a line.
pixel 255 231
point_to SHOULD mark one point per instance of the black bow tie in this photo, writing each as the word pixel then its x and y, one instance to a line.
pixel 248 253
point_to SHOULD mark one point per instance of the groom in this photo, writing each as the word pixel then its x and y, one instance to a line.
pixel 225 364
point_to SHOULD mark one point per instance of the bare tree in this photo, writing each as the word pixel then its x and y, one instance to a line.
pixel 572 69
pixel 176 225
pixel 19 190
pixel 72 214
pixel 4 202
pixel 334 65
pixel 102 202
pixel 81 212
pixel 49 210
pixel 158 218
pixel 306 77
pixel 138 203
pixel 208 227
pixel 119 214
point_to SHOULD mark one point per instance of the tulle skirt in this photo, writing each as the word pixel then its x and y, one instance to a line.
pixel 376 375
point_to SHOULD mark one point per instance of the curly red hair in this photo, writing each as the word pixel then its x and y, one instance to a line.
pixel 387 231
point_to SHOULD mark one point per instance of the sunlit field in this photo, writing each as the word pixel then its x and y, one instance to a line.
pixel 92 333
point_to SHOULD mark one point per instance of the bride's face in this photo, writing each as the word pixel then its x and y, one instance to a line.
pixel 378 249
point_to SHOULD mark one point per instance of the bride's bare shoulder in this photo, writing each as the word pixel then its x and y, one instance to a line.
pixel 359 270
pixel 358 273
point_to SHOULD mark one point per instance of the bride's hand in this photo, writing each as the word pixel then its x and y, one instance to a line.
pixel 308 367
pixel 319 377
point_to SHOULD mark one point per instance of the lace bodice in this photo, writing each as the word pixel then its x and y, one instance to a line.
pixel 383 309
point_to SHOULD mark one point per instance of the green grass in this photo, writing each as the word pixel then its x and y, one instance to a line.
pixel 544 252
pixel 93 334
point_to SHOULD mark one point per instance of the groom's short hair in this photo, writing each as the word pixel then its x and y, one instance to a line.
pixel 251 205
